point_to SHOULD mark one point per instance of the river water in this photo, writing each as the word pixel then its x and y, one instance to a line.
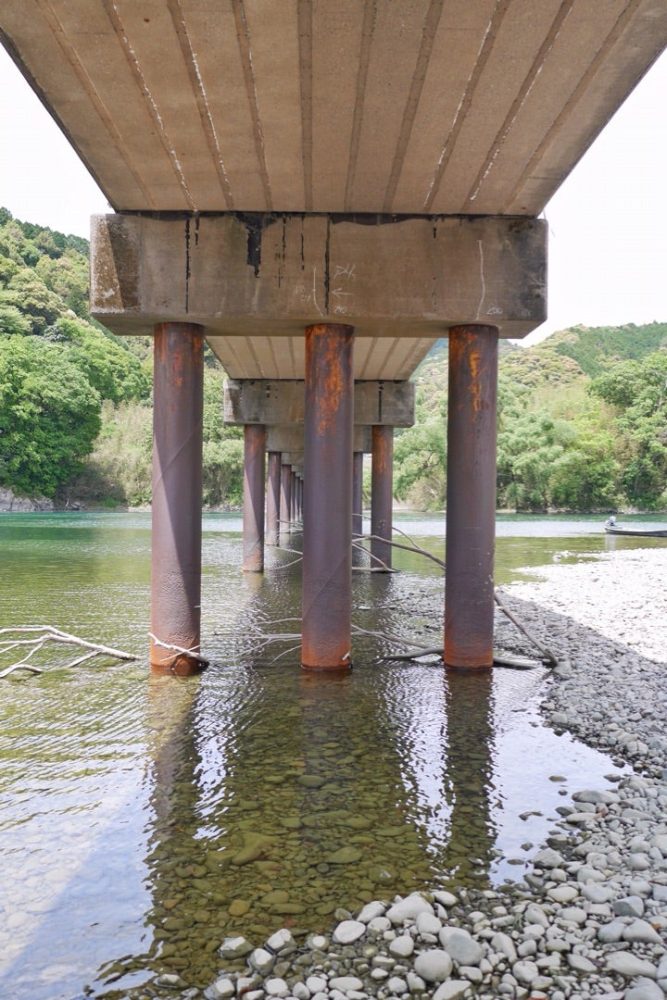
pixel 142 820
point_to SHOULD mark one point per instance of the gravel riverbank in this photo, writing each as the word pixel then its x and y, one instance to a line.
pixel 590 917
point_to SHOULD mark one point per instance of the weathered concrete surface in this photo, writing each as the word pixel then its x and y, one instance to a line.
pixel 461 107
pixel 281 403
pixel 268 276
pixel 290 439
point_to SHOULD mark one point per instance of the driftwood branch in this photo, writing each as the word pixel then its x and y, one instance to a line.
pixel 40 636
pixel 178 651
pixel 547 655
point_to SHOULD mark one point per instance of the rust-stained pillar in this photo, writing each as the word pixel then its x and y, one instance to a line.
pixel 294 515
pixel 285 498
pixel 471 496
pixel 357 493
pixel 327 526
pixel 273 499
pixel 382 481
pixel 177 496
pixel 254 444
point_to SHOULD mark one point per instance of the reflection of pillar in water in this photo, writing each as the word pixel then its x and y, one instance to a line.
pixel 470 773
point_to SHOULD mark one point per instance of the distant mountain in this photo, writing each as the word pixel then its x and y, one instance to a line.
pixel 595 348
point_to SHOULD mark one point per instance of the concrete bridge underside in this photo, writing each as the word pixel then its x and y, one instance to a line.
pixel 321 189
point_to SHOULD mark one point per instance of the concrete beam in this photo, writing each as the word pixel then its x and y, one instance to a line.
pixel 290 439
pixel 281 402
pixel 274 274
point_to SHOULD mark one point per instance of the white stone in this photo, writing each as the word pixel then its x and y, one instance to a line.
pixel 262 960
pixel 574 914
pixel 503 944
pixel 345 983
pixel 408 908
pixel 452 990
pixel 535 915
pixel 428 923
pixel 525 972
pixel 596 893
pixel 371 910
pixel 629 965
pixel 316 984
pixel 563 893
pixel 644 989
pixel 379 924
pixel 579 963
pixel 402 947
pixel 446 899
pixel 461 946
pixel 629 906
pixel 282 942
pixel 349 931
pixel 415 983
pixel 301 991
pixel 276 987
pixel 397 985
pixel 433 965
pixel 548 858
pixel 641 930
pixel 235 947
pixel 223 988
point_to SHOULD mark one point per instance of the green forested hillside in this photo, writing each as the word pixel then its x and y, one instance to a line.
pixel 75 408
pixel 566 440
pixel 582 416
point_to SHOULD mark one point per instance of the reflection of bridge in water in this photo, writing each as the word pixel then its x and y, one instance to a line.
pixel 321 190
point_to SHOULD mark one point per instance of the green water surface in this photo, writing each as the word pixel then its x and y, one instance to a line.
pixel 142 820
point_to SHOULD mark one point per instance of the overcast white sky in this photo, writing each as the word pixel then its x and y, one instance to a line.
pixel 608 223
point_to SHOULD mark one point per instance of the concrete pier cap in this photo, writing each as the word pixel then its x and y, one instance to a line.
pixel 270 274
pixel 281 403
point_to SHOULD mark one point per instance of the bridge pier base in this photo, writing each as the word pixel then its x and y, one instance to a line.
pixel 471 496
pixel 254 443
pixel 178 375
pixel 273 499
pixel 382 495
pixel 327 529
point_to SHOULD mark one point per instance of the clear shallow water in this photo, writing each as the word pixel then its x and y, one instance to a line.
pixel 142 819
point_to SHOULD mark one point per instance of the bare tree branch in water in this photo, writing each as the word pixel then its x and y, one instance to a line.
pixel 40 636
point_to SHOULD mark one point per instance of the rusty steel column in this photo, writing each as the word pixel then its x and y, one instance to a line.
pixel 471 496
pixel 178 375
pixel 327 524
pixel 273 499
pixel 285 498
pixel 293 513
pixel 382 483
pixel 357 493
pixel 254 444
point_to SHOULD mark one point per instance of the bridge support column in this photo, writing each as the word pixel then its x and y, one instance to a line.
pixel 382 494
pixel 357 493
pixel 273 499
pixel 327 530
pixel 285 499
pixel 254 442
pixel 471 496
pixel 177 496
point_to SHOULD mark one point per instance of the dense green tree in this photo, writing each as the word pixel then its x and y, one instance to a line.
pixel 638 392
pixel 49 416
pixel 113 371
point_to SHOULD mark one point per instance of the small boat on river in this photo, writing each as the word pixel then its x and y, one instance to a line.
pixel 612 528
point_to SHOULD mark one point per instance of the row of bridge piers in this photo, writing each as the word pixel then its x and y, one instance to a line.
pixel 321 485
pixel 319 320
